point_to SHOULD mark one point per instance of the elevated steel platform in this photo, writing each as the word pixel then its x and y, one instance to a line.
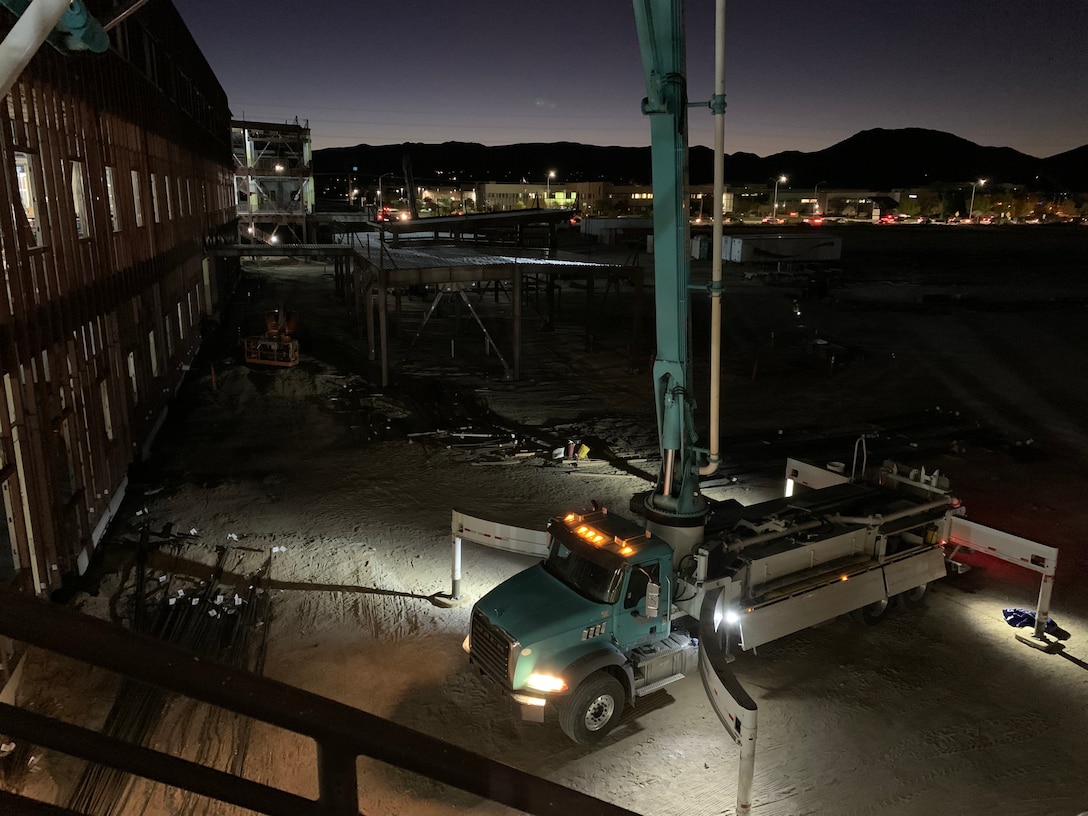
pixel 369 263
pixel 281 250
pixel 471 222
pixel 383 267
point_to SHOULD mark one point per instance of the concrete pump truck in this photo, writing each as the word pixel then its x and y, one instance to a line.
pixel 612 611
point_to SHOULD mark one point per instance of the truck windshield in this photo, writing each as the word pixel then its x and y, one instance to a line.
pixel 588 578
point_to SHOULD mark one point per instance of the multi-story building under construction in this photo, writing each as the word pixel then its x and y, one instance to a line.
pixel 117 178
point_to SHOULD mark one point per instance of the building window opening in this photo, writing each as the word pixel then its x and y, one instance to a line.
pixel 9 551
pixel 154 353
pixel 111 198
pixel 136 203
pixel 79 200
pixel 132 377
pixel 154 199
pixel 107 417
pixel 24 173
pixel 65 469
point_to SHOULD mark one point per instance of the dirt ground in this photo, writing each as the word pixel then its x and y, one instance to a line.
pixel 338 495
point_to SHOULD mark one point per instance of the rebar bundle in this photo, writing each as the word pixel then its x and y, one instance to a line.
pixel 211 621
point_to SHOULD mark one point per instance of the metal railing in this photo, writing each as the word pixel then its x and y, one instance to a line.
pixel 341 733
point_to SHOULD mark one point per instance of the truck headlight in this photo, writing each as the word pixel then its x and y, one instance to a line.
pixel 546 682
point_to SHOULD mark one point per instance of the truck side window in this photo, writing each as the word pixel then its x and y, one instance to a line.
pixel 641 575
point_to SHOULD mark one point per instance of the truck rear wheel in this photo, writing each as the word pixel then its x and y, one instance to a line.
pixel 875 612
pixel 593 709
pixel 912 598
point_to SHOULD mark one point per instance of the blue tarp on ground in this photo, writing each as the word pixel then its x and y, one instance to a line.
pixel 1018 618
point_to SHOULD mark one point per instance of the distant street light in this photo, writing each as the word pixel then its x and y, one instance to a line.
pixel 816 195
pixel 548 186
pixel 971 209
pixel 774 209
pixel 381 198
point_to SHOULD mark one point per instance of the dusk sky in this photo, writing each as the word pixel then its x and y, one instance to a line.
pixel 799 75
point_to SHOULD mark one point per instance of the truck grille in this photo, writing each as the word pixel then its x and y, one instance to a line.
pixel 493 650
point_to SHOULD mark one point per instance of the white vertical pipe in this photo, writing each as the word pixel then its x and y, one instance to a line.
pixel 747 771
pixel 716 262
pixel 26 37
pixel 1042 611
pixel 455 591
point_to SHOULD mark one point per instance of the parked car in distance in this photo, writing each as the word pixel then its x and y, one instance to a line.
pixel 386 214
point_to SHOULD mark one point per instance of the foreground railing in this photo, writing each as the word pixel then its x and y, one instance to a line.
pixel 341 733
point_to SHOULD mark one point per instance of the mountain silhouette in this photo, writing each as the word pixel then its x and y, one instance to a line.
pixel 876 159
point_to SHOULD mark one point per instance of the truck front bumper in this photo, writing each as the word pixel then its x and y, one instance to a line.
pixel 530 706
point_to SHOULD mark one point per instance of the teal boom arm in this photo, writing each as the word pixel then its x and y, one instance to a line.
pixel 65 24
pixel 660 26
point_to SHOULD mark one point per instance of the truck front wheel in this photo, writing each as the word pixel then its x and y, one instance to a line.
pixel 593 709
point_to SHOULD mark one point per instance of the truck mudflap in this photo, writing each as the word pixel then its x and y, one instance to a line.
pixel 735 708
pixel 908 573
pixel 784 616
pixel 731 702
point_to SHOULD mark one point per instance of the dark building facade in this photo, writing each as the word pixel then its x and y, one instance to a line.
pixel 117 178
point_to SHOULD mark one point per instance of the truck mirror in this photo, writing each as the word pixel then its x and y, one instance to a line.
pixel 653 600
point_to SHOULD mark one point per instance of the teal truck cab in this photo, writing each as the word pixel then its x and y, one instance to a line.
pixel 587 629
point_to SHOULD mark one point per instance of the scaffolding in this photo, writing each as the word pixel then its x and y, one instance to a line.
pixel 273 180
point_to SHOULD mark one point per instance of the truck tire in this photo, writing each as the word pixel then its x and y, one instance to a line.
pixel 912 598
pixel 874 613
pixel 592 710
